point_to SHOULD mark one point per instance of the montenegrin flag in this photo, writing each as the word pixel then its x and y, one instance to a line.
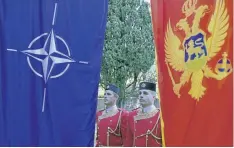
pixel 195 58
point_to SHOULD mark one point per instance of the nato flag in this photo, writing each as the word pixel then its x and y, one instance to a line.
pixel 50 59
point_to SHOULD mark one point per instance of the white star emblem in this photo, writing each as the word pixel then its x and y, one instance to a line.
pixel 49 56
pixel 52 55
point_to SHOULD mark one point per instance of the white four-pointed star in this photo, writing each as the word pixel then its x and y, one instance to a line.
pixel 46 66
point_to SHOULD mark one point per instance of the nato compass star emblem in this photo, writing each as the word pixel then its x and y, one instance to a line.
pixel 49 56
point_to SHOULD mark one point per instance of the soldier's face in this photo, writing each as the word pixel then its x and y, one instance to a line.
pixel 146 98
pixel 109 97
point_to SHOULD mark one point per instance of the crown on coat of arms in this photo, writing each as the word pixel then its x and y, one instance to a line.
pixel 189 7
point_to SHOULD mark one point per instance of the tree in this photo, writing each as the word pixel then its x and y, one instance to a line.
pixel 128 49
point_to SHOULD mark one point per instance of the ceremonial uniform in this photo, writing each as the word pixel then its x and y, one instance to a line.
pixel 144 129
pixel 111 127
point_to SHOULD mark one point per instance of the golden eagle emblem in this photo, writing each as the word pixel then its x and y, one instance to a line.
pixel 197 50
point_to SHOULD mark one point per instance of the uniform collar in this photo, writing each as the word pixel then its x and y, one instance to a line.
pixel 112 108
pixel 148 109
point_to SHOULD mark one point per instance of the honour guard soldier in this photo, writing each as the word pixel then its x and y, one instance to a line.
pixel 111 122
pixel 144 123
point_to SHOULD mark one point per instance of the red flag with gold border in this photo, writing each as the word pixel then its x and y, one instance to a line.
pixel 194 52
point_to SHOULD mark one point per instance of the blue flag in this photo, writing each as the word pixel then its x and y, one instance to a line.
pixel 50 59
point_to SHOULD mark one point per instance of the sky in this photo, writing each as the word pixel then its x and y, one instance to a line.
pixel 147 1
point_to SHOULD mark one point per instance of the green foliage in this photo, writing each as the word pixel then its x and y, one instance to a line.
pixel 128 49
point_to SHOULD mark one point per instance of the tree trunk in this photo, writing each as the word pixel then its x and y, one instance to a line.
pixel 135 81
pixel 122 85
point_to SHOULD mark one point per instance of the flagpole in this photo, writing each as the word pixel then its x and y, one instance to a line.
pixel 161 117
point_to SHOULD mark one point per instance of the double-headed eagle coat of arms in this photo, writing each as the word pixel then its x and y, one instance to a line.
pixel 191 56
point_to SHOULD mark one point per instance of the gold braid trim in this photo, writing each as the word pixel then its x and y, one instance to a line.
pixel 141 116
pixel 109 114
pixel 110 131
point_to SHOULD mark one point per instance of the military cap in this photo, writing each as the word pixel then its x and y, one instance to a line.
pixel 147 86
